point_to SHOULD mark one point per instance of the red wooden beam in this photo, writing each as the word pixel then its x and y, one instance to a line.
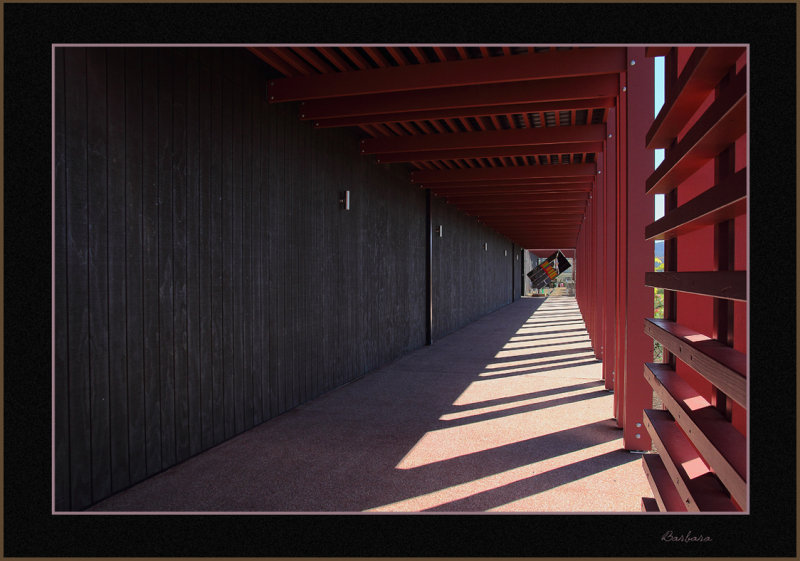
pixel 519 172
pixel 703 71
pixel 464 112
pixel 483 139
pixel 470 72
pixel 584 87
pixel 492 183
pixel 492 152
pixel 492 191
pixel 559 199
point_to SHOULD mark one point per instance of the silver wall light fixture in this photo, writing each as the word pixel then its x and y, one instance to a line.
pixel 344 200
pixel 440 230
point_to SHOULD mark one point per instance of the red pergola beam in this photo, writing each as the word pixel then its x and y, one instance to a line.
pixel 498 183
pixel 495 70
pixel 482 139
pixel 518 172
pixel 550 198
pixel 492 191
pixel 465 112
pixel 585 87
pixel 492 152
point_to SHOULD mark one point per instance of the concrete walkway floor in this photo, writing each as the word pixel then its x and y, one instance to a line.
pixel 509 414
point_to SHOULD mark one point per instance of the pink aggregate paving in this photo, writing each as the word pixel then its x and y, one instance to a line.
pixel 508 414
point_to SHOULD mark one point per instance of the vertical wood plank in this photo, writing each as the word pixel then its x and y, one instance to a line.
pixel 248 303
pixel 206 202
pixel 290 279
pixel 97 176
pixel 218 292
pixel 267 265
pixel 78 277
pixel 134 189
pixel 193 255
pixel 236 248
pixel 61 358
pixel 278 265
pixel 256 236
pixel 228 250
pixel 166 255
pixel 179 291
pixel 150 287
pixel 117 277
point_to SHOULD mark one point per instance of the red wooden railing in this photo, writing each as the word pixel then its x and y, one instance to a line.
pixel 701 433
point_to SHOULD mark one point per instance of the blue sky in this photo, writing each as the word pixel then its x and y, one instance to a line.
pixel 659 98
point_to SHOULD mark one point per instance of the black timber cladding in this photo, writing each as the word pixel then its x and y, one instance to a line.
pixel 207 279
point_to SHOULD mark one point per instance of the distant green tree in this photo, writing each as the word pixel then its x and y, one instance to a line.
pixel 658 311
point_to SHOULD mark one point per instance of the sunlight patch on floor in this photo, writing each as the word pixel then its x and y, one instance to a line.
pixel 482 485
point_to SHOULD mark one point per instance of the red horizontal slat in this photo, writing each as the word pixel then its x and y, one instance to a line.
pixel 577 62
pixel 656 51
pixel 721 365
pixel 519 172
pixel 464 112
pixel 731 285
pixel 491 183
pixel 666 495
pixel 722 123
pixel 701 74
pixel 698 488
pixel 483 139
pixel 492 152
pixel 722 202
pixel 723 447
pixel 473 96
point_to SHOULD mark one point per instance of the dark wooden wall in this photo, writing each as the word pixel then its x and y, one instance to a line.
pixel 206 277
pixel 468 281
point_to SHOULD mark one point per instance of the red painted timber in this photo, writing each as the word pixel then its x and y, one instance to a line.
pixel 666 495
pixel 465 112
pixel 696 485
pixel 703 71
pixel 722 446
pixel 656 51
pixel 491 152
pixel 494 70
pixel 560 199
pixel 559 89
pixel 482 139
pixel 598 198
pixel 519 172
pixel 719 203
pixel 722 366
pixel 491 183
pixel 609 257
pixel 621 237
pixel 511 189
pixel 638 299
pixel 722 123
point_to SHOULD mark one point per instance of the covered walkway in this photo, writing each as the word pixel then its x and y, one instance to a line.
pixel 507 414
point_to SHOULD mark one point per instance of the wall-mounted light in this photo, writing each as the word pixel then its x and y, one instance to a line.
pixel 485 246
pixel 440 230
pixel 505 253
pixel 344 200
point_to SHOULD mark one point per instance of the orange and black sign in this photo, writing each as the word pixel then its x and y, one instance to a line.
pixel 548 270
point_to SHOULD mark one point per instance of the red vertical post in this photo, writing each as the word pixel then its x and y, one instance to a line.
pixel 609 246
pixel 597 249
pixel 638 395
pixel 619 249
